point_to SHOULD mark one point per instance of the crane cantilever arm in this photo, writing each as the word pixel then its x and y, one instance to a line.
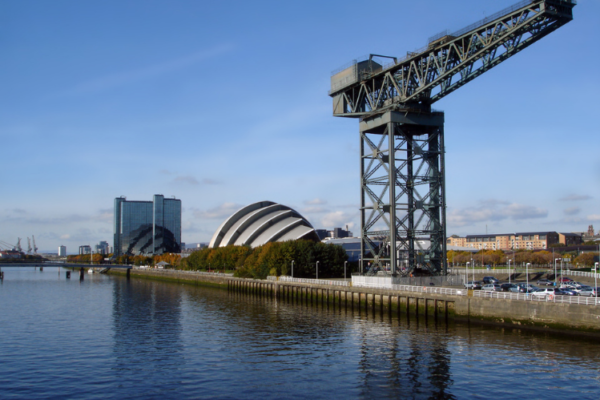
pixel 447 62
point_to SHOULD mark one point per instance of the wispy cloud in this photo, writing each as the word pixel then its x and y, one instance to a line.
pixel 127 77
pixel 314 210
pixel 222 211
pixel 495 211
pixel 576 197
pixel 208 181
pixel 186 179
pixel 594 217
pixel 572 210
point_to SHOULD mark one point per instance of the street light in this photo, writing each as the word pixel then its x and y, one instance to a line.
pixel 345 262
pixel 527 274
pixel 473 265
pixel 596 278
pixel 317 270
pixel 509 260
pixel 555 260
pixel 292 268
pixel 467 273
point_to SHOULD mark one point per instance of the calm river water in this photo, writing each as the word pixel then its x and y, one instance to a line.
pixel 107 337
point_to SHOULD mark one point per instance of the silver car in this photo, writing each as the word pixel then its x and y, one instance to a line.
pixel 588 291
pixel 492 287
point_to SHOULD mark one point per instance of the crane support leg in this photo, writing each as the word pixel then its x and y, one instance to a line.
pixel 403 217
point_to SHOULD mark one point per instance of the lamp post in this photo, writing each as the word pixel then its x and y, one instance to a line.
pixel 527 275
pixel 345 262
pixel 466 273
pixel 555 260
pixel 509 260
pixel 596 278
pixel 473 265
pixel 292 268
pixel 317 270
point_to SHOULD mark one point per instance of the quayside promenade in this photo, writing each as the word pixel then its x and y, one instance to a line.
pixel 580 316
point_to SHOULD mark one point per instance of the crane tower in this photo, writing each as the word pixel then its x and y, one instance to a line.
pixel 402 174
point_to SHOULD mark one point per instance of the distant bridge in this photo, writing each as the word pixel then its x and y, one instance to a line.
pixel 61 264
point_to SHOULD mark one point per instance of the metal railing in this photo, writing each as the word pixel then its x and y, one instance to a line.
pixel 431 290
pixel 326 282
pixel 182 271
pixel 590 301
pixel 582 274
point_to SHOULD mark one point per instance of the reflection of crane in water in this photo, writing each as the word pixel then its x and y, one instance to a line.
pixel 402 358
pixel 402 140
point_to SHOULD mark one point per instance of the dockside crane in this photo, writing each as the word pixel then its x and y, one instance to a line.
pixel 28 246
pixel 402 174
pixel 35 249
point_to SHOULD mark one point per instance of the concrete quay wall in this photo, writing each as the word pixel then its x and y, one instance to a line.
pixel 542 316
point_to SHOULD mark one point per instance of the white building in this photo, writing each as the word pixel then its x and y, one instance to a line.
pixel 62 251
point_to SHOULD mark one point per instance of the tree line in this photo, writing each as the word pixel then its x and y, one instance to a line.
pixel 273 259
pixel 518 257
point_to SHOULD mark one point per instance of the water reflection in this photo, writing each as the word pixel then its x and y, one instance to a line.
pixel 147 326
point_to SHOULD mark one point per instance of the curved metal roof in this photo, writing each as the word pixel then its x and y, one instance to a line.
pixel 260 223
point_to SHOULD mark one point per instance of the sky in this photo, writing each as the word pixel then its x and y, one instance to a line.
pixel 222 104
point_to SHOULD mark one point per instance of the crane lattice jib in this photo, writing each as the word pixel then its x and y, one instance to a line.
pixel 449 61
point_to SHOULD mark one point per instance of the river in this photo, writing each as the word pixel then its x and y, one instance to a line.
pixel 110 338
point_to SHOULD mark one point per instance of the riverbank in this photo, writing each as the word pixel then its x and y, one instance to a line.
pixel 539 316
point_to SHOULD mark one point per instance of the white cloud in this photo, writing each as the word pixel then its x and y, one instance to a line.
pixel 66 236
pixel 594 217
pixel 315 202
pixel 337 219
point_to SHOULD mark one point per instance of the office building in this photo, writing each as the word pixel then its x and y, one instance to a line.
pixel 147 227
pixel 103 248
pixel 62 251
pixel 85 249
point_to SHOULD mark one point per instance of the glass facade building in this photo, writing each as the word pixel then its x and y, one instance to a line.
pixel 147 227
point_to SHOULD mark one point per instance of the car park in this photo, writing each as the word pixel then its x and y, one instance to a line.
pixel 490 279
pixel 475 285
pixel 492 287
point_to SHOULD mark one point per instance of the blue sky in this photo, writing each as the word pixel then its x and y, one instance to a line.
pixel 225 103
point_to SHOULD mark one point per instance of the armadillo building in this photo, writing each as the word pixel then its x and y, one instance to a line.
pixel 260 223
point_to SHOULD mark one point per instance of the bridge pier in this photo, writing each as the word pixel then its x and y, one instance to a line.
pixel 68 274
pixel 128 272
pixel 81 273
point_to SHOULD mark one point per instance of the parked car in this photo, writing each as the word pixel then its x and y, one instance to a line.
pixel 475 285
pixel 545 282
pixel 492 287
pixel 564 279
pixel 589 291
pixel 544 292
pixel 507 286
pixel 490 279
pixel 565 292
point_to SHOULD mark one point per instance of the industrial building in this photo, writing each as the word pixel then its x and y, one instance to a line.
pixel 147 227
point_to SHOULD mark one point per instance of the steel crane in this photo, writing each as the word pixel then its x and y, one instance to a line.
pixel 402 139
